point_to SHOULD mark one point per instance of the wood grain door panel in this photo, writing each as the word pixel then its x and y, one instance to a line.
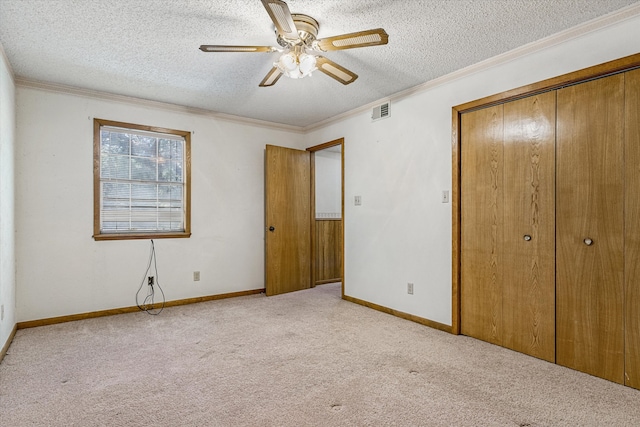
pixel 589 205
pixel 482 224
pixel 529 222
pixel 288 211
pixel 632 229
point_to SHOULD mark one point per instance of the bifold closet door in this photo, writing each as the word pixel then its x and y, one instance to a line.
pixel 590 228
pixel 508 233
pixel 632 229
pixel 482 221
pixel 529 226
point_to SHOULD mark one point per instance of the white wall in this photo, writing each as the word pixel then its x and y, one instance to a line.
pixel 7 225
pixel 328 180
pixel 61 270
pixel 400 165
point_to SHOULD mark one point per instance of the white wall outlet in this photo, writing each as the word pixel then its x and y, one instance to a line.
pixel 410 288
pixel 357 200
pixel 196 276
pixel 445 196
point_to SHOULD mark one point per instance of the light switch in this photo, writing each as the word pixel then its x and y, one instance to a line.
pixel 358 200
pixel 445 196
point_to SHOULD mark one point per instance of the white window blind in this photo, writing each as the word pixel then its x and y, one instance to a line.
pixel 142 181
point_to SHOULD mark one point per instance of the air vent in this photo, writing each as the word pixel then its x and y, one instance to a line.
pixel 380 112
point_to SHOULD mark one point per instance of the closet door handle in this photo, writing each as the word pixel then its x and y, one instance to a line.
pixel 527 237
pixel 588 241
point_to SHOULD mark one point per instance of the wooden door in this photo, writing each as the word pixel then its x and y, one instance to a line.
pixel 508 225
pixel 632 229
pixel 482 224
pixel 589 228
pixel 529 226
pixel 287 220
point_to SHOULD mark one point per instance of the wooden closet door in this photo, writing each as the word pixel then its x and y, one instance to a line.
pixel 590 198
pixel 632 229
pixel 481 230
pixel 529 224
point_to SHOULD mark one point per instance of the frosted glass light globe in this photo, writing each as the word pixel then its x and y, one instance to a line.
pixel 307 64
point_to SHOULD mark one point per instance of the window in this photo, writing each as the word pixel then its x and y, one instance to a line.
pixel 141 181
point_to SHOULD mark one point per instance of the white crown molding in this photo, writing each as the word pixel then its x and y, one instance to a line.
pixel 94 94
pixel 6 61
pixel 519 52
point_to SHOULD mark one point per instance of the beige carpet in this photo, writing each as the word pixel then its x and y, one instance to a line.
pixel 301 359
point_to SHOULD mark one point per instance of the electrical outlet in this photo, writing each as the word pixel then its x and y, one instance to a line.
pixel 196 276
pixel 150 280
pixel 357 200
pixel 410 288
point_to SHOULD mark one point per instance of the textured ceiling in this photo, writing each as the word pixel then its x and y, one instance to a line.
pixel 149 48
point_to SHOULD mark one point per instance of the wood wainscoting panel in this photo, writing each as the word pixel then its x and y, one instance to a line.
pixel 328 251
pixel 590 228
pixel 632 229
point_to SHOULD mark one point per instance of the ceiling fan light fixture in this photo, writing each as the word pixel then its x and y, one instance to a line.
pixel 296 65
pixel 300 50
pixel 288 63
pixel 307 64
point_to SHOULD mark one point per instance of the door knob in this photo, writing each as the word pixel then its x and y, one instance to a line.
pixel 588 241
pixel 527 237
pixel 272 228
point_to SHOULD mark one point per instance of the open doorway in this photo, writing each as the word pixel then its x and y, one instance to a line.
pixel 304 245
pixel 327 188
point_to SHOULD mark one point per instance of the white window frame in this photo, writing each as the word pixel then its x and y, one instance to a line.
pixel 98 232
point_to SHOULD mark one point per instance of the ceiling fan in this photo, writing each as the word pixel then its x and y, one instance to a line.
pixel 296 34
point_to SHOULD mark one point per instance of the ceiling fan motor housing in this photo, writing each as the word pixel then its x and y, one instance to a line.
pixel 307 31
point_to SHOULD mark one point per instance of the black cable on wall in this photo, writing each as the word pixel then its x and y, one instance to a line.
pixel 153 282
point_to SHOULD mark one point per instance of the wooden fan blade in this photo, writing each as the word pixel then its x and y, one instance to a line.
pixel 374 37
pixel 281 17
pixel 335 71
pixel 220 48
pixel 271 78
